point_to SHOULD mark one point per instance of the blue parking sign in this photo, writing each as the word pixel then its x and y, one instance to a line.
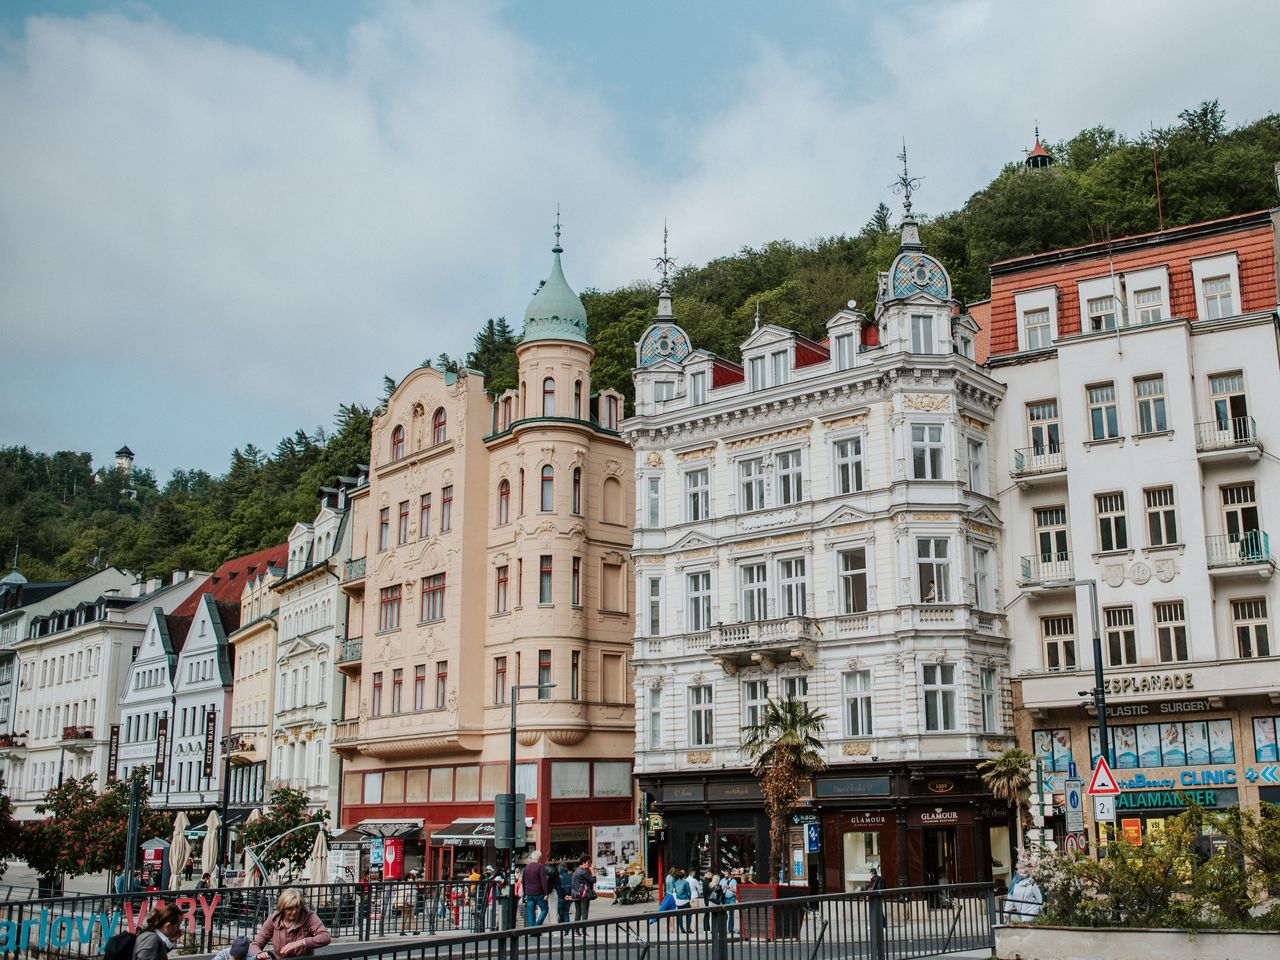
pixel 812 838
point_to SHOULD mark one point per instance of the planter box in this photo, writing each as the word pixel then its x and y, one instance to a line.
pixel 1018 942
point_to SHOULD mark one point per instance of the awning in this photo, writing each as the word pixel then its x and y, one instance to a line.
pixel 389 829
pixel 464 833
pixel 348 836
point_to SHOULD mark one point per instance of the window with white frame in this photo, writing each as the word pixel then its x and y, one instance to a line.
pixel 755 695
pixel 926 451
pixel 1043 427
pixel 984 585
pixel 655 718
pixel 990 702
pixel 844 351
pixel 698 388
pixel 1149 396
pixel 1162 520
pixel 796 688
pixel 755 591
pixel 790 471
pixel 701 716
pixel 663 390
pixel 1249 622
pixel 1171 631
pixel 977 466
pixel 698 600
pixel 848 465
pixel 853 580
pixel 1037 329
pixel 791 586
pixel 1059 638
pixel 1216 292
pixel 1113 527
pixel 653 502
pixel 1102 312
pixel 1104 418
pixel 1230 405
pixel 756 371
pixel 933 569
pixel 655 606
pixel 857 703
pixel 1149 304
pixel 780 361
pixel 750 484
pixel 1120 635
pixel 697 489
pixel 1051 533
pixel 922 333
pixel 940 696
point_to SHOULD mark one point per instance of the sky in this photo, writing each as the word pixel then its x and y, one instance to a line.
pixel 219 221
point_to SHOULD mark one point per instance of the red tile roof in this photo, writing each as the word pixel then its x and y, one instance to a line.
pixel 1038 150
pixel 981 314
pixel 225 585
pixel 809 353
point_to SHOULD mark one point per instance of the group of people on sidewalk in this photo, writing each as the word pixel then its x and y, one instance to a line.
pixel 687 890
pixel 539 881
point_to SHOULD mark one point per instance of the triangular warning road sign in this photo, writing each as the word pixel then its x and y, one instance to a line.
pixel 1103 782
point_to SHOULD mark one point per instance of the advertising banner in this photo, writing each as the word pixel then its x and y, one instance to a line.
pixel 113 752
pixel 162 750
pixel 210 726
pixel 615 850
pixel 393 859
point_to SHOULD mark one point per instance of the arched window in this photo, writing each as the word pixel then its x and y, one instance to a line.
pixel 577 490
pixel 438 433
pixel 397 443
pixel 504 502
pixel 549 397
pixel 611 507
pixel 577 399
pixel 548 488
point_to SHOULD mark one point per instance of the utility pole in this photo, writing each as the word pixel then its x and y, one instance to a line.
pixel 510 912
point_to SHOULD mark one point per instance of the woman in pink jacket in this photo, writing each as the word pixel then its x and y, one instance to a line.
pixel 292 931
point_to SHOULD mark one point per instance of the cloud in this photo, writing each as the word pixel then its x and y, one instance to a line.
pixel 204 244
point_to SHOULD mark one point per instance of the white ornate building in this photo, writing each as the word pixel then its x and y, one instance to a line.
pixel 819 522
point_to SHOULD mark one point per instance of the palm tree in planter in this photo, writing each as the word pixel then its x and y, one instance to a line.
pixel 1008 777
pixel 784 746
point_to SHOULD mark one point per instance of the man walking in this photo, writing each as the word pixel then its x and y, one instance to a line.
pixel 535 885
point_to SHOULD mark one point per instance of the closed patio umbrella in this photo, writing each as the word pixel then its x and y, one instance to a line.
pixel 209 852
pixel 179 847
pixel 318 862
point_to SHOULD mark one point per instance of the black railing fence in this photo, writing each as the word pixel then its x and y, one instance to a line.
pixel 458 921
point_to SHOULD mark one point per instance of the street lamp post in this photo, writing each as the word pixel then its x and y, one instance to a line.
pixel 510 913
pixel 1099 693
pixel 225 828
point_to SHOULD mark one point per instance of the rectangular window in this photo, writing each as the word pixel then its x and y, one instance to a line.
pixel 499 680
pixel 984 585
pixel 853 580
pixel 848 465
pixel 792 587
pixel 933 569
pixel 446 509
pixel 697 388
pixel 844 351
pixel 1121 638
pixel 1053 749
pixel 1059 637
pixel 1230 405
pixel 1036 325
pixel 754 591
pixel 750 484
pixel 978 466
pixel 1240 514
pixel 990 717
pixel 655 606
pixel 790 472
pixel 795 688
pixel 857 703
pixel 756 369
pixel 1150 304
pixel 1249 621
pixel 922 333
pixel 575 674
pixel 653 502
pixel 1149 394
pixel 402 526
pixel 375 702
pixel 1043 427
pixel 940 696
pixel 781 367
pixel 655 718
pixel 433 597
pixel 1264 739
pixel 397 689
pixel 544 578
pixel 701 717
pixel 1217 297
pixel 698 600
pixel 612 590
pixel 1113 527
pixel 663 390
pixel 1104 420
pixel 1162 523
pixel 1102 312
pixel 697 487
pixel 575 582
pixel 389 608
pixel 755 694
pixel 1190 743
pixel 1171 631
pixel 500 589
pixel 420 687
pixel 424 516
pixel 384 528
pixel 544 674
pixel 442 684
pixel 1051 533
pixel 926 451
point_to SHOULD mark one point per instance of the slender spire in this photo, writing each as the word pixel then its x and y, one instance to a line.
pixel 665 265
pixel 905 185
pixel 757 315
pixel 557 248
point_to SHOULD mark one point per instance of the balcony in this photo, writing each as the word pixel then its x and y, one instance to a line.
pixel 1042 571
pixel 766 643
pixel 243 748
pixel 346 734
pixel 13 746
pixel 77 738
pixel 1039 465
pixel 1228 441
pixel 353 576
pixel 349 654
pixel 1243 554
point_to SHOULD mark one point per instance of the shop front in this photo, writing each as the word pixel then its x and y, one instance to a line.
pixel 708 824
pixel 408 843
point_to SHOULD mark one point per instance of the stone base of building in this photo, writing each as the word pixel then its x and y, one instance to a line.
pixel 1075 943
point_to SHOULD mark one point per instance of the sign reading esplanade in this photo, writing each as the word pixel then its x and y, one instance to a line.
pixel 1149 683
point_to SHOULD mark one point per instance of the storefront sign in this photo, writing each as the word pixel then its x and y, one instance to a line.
pixel 941 786
pixel 375 852
pixel 1131 830
pixel 393 859
pixel 853 787
pixel 798 819
pixel 1165 706
pixel 113 752
pixel 940 817
pixel 1177 799
pixel 866 820
pixel 681 792
pixel 734 791
pixel 1140 780
pixel 162 748
pixel 344 863
pixel 210 726
pixel 1149 683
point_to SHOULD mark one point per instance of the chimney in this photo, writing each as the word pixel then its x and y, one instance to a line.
pixel 178 576
pixel 154 584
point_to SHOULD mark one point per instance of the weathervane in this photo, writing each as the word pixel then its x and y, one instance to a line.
pixel 906 183
pixel 557 247
pixel 664 264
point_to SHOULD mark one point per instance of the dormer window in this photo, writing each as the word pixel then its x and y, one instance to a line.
pixel 698 388
pixel 844 351
pixel 663 390
pixel 755 368
pixel 1150 304
pixel 922 332
pixel 781 367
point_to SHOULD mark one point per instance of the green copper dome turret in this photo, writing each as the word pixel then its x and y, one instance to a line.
pixel 555 312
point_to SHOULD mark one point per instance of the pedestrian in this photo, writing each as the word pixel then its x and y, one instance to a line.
pixel 188 869
pixel 730 885
pixel 403 901
pixel 205 882
pixel 669 880
pixel 876 882
pixel 683 895
pixel 293 930
pixel 238 950
pixel 1025 901
pixel 159 934
pixel 533 882
pixel 564 895
pixel 583 890
pixel 695 888
pixel 714 897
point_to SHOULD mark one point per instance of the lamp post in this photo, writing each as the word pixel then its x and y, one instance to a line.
pixel 1099 694
pixel 510 917
pixel 225 828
